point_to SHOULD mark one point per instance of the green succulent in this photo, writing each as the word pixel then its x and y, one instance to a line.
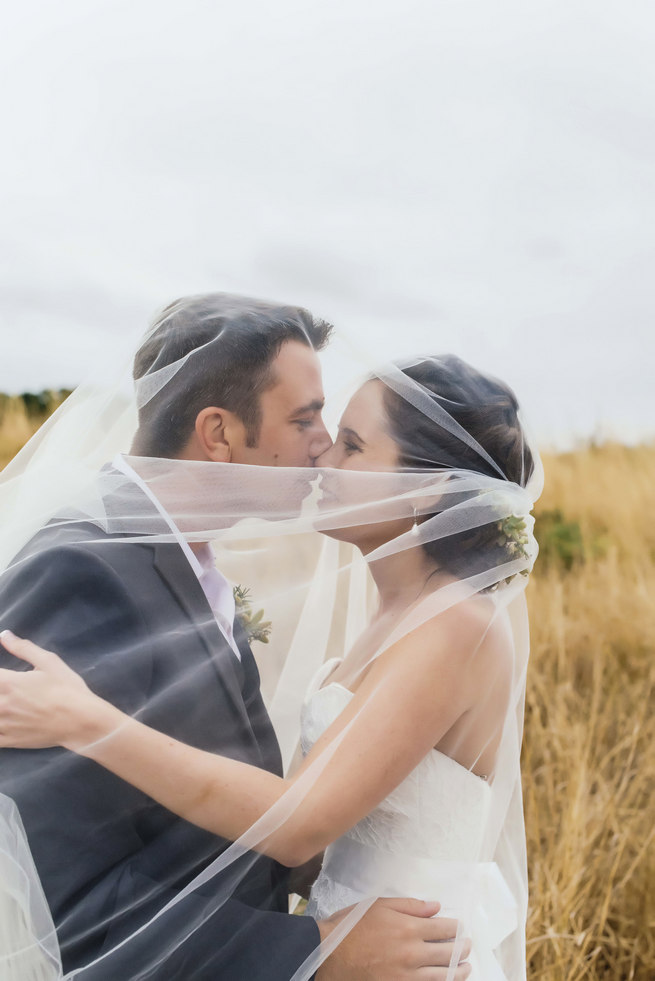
pixel 254 625
pixel 513 535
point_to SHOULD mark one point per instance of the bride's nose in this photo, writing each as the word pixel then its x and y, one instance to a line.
pixel 320 445
pixel 324 459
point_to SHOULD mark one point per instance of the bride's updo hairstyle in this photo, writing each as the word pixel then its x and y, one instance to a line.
pixel 487 410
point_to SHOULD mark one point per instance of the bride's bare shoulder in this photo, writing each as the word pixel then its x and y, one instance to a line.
pixel 469 615
pixel 470 626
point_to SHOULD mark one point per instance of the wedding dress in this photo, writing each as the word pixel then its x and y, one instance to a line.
pixel 420 842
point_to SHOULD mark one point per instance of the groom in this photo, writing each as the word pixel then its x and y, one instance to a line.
pixel 152 627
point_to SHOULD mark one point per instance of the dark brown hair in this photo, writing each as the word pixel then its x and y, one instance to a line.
pixel 230 343
pixel 488 410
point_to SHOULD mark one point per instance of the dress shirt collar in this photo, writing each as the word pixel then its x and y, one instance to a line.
pixel 214 584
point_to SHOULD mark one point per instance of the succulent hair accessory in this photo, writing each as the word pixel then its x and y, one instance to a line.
pixel 513 536
pixel 254 625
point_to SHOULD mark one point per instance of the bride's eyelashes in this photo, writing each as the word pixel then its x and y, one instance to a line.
pixel 350 441
pixel 349 446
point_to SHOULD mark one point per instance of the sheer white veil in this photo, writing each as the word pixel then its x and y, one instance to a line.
pixel 466 481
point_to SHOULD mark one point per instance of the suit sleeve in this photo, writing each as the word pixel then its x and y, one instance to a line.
pixel 69 600
pixel 233 943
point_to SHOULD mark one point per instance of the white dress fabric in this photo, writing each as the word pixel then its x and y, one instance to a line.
pixel 418 842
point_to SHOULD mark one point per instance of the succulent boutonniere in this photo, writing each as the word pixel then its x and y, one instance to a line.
pixel 255 626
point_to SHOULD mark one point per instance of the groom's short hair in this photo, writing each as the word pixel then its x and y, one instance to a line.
pixel 222 347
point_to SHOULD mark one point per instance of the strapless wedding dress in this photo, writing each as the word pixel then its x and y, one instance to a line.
pixel 419 841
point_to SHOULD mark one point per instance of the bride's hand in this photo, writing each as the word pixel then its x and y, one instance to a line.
pixel 48 706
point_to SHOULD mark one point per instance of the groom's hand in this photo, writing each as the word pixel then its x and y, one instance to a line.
pixel 396 940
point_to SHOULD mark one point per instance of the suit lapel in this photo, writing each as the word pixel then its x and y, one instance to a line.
pixel 239 680
pixel 172 565
pixel 260 720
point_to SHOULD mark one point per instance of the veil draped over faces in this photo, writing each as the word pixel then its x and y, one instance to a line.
pixel 92 567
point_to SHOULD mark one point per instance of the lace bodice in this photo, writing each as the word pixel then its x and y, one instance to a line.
pixel 423 840
pixel 437 812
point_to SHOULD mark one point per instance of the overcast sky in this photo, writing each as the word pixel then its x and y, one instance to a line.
pixel 466 175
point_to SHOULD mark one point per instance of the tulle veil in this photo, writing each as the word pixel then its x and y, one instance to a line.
pixel 281 535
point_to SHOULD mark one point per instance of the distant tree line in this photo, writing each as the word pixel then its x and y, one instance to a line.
pixel 36 405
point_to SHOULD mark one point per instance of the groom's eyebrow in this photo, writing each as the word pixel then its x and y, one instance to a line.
pixel 315 406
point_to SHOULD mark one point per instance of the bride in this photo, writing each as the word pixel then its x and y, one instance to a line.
pixel 410 780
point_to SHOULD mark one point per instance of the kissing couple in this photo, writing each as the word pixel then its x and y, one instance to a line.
pixel 164 791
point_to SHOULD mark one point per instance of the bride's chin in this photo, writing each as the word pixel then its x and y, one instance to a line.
pixel 339 534
pixel 361 537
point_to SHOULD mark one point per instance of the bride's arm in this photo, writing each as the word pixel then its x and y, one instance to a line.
pixel 395 717
pixel 303 877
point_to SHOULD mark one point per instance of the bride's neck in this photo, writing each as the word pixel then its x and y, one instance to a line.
pixel 401 578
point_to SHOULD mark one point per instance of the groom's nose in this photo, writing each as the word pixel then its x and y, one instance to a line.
pixel 320 443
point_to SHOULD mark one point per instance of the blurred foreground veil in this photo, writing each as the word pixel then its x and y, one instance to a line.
pixel 93 568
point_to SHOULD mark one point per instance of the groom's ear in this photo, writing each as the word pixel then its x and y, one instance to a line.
pixel 216 433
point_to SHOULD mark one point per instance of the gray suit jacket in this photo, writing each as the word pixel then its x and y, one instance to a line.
pixel 134 621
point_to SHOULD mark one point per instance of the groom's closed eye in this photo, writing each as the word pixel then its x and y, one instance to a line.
pixel 305 416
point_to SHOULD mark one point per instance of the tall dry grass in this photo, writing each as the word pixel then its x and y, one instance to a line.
pixel 589 747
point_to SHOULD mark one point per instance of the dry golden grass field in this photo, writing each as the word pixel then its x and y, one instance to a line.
pixel 21 416
pixel 589 748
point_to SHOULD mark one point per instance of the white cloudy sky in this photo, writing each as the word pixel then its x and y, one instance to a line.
pixel 466 175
